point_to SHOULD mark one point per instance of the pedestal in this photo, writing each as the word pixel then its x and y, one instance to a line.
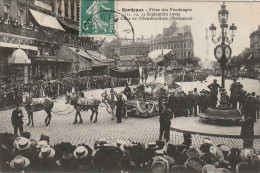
pixel 223 114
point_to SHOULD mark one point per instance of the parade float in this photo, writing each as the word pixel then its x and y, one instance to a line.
pixel 163 72
pixel 146 94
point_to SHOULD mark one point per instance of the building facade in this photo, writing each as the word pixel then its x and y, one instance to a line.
pixel 255 44
pixel 128 54
pixel 41 28
pixel 178 39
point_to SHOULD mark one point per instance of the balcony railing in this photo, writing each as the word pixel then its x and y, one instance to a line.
pixel 17 30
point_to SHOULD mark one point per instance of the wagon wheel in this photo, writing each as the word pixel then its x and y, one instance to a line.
pixel 124 111
pixel 108 108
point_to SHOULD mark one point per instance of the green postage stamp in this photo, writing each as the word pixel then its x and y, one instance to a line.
pixel 97 17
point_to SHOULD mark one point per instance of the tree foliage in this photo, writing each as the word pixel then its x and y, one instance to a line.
pixel 242 58
pixel 190 60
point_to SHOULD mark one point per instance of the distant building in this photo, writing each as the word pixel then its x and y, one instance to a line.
pixel 178 39
pixel 121 47
pixel 255 44
pixel 128 54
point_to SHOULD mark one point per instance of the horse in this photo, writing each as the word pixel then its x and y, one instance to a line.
pixel 81 103
pixel 38 104
pixel 110 101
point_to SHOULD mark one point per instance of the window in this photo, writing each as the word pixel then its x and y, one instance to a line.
pixel 20 12
pixel 6 11
pixel 20 15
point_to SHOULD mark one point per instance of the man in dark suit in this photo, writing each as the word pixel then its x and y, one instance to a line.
pixel 163 98
pixel 128 91
pixel 234 92
pixel 119 109
pixel 214 93
pixel 17 119
pixel 247 127
pixel 165 122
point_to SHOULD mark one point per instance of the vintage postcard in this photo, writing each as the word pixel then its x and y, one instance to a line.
pixel 129 86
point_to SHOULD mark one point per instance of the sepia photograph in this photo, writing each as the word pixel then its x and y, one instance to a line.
pixel 129 86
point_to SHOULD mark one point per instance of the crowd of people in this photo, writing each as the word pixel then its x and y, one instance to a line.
pixel 194 102
pixel 25 154
pixel 12 93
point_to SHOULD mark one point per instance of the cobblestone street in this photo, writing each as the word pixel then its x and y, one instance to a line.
pixel 139 130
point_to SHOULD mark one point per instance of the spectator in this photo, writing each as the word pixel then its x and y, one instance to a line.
pixel 17 119
pixel 165 123
pixel 247 127
pixel 20 164
pixel 214 93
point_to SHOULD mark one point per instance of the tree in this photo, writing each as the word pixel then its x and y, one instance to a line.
pixel 242 58
pixel 190 60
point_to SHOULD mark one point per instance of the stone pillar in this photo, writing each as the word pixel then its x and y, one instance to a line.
pixel 75 10
pixel 62 8
pixel 25 78
pixel 56 7
pixel 69 9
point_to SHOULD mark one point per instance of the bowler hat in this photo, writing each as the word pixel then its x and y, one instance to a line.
pixel 26 135
pixel 45 137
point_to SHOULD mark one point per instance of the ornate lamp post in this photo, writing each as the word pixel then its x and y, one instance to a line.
pixel 222 114
pixel 223 51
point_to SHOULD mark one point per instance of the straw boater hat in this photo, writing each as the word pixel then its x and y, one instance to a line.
pixel 159 164
pixel 80 152
pixel 207 141
pixel 193 152
pixel 119 142
pixel 19 162
pixel 23 143
pixel 225 149
pixel 208 168
pixel 42 143
pixel 46 152
pixel 125 146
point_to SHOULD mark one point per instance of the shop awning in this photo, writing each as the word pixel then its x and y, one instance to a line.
pixel 157 55
pixel 46 20
pixel 51 59
pixel 81 53
pixel 10 45
pixel 19 57
pixel 69 25
pixel 99 57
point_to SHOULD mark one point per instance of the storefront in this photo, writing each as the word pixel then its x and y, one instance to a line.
pixel 19 66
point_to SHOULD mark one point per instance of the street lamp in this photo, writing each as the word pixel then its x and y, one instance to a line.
pixel 77 67
pixel 223 51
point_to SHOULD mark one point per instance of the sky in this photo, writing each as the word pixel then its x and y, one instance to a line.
pixel 245 15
